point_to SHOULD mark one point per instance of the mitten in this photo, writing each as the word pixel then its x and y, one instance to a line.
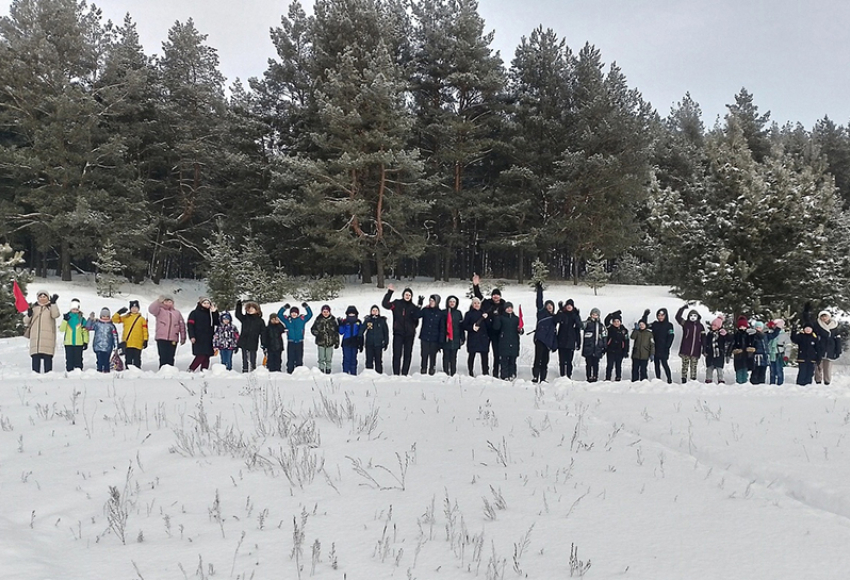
pixel 54 298
pixel 29 311
pixel 66 316
pixel 145 344
pixel 560 305
pixel 86 346
pixel 286 306
pixel 121 311
pixel 304 305
pixel 420 301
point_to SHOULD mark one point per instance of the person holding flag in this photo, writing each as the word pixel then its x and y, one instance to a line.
pixel 545 336
pixel 40 323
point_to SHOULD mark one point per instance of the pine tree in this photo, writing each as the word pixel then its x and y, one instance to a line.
pixel 539 273
pixel 108 278
pixel 222 265
pixel 11 323
pixel 596 275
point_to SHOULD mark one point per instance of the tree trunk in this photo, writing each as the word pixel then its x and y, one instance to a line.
pixel 447 263
pixel 379 262
pixel 521 266
pixel 366 270
pixel 65 261
pixel 575 270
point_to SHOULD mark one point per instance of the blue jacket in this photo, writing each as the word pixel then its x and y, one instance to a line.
pixel 295 326
pixel 105 336
pixel 431 318
pixel 349 329
pixel 546 331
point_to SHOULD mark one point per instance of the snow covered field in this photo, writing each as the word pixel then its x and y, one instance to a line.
pixel 165 474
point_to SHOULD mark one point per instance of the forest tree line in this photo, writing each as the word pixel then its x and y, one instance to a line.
pixel 388 139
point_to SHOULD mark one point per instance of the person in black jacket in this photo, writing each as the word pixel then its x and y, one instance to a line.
pixel 742 350
pixel 476 324
pixel 568 320
pixel 593 344
pixel 826 328
pixel 376 338
pixel 405 320
pixel 430 334
pixel 273 343
pixel 662 334
pixel 809 353
pixel 545 337
pixel 507 325
pixel 493 307
pixel 451 332
pixel 617 345
pixel 250 334
pixel 200 326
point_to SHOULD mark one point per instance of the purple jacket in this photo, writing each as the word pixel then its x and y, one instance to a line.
pixel 169 323
pixel 693 334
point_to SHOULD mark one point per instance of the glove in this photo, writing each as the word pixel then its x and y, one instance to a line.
pixel 122 311
pixel 86 346
pixel 29 311
pixel 66 316
pixel 722 332
pixel 286 306
pixel 420 301
pixel 785 359
pixel 54 298
pixel 636 326
pixel 560 305
pixel 304 305
pixel 145 344
pixel 651 358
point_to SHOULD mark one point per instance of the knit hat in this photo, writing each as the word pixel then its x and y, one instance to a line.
pixel 294 310
pixel 717 323
pixel 203 299
pixel 75 304
pixel 135 303
pixel 742 321
pixel 105 312
pixel 758 325
pixel 351 310
pixel 509 305
pixel 569 302
pixel 779 323
pixel 435 298
pixel 595 311
pixel 326 307
pixel 618 315
pixel 167 297
pixel 226 316
pixel 42 293
pixel 273 316
pixel 496 292
pixel 476 300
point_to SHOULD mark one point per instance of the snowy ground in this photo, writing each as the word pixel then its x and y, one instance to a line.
pixel 222 475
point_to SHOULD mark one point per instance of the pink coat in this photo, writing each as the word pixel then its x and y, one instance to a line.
pixel 169 323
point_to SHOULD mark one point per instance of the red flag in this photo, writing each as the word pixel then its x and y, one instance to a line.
pixel 521 323
pixel 20 300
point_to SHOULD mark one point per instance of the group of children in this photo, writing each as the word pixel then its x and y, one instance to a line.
pixel 489 324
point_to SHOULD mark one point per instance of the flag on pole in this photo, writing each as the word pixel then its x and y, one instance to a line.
pixel 521 323
pixel 20 300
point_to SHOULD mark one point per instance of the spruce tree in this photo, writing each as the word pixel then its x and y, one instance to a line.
pixel 596 275
pixel 221 264
pixel 109 277
pixel 539 273
pixel 11 322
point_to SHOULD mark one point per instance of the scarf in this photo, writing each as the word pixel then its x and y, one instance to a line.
pixel 450 331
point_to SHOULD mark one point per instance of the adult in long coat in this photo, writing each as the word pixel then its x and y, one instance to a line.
pixel 201 326
pixel 545 336
pixel 568 320
pixel 405 321
pixel 253 327
pixel 507 327
pixel 451 324
pixel 476 324
pixel 170 329
pixel 431 334
pixel 40 323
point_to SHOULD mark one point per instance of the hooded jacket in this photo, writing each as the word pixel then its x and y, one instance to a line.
pixel 507 327
pixel 663 334
pixel 569 327
pixel 546 331
pixel 594 338
pixel 692 334
pixel 253 326
pixel 74 327
pixel 643 345
pixel 405 314
pixel 169 322
pixel 349 328
pixel 431 317
pixel 103 336
pixel 808 347
pixel 201 325
pixel 375 331
pixel 828 334
pixel 451 317
pixel 326 331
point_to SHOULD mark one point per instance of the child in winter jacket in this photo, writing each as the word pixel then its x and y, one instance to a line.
pixel 508 327
pixel 617 345
pixel 716 347
pixel 568 320
pixel 349 329
pixel 104 339
pixel 170 328
pixel 134 334
pixel 760 341
pixel 295 324
pixel 776 352
pixel 226 339
pixel 642 350
pixel 742 350
pixel 430 333
pixel 375 333
pixel 452 335
pixel 251 333
pixel 76 336
pixel 476 324
pixel 809 353
pixel 593 344
pixel 545 337
pixel 326 330
pixel 272 342
pixel 691 348
pixel 663 334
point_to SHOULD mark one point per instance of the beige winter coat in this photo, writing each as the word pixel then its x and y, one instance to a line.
pixel 42 329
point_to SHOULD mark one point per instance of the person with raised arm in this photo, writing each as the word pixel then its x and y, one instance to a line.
pixel 493 307
pixel 475 324
pixel 170 328
pixel 405 321
pixel 545 336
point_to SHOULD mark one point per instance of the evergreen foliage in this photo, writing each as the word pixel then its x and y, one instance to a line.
pixel 539 273
pixel 597 275
pixel 222 269
pixel 109 277
pixel 11 322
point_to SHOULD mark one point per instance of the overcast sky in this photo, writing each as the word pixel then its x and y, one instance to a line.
pixel 793 55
